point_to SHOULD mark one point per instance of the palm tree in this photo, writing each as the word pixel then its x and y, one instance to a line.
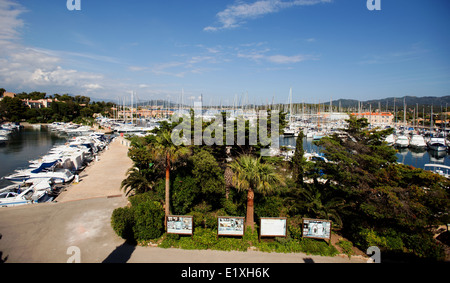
pixel 136 182
pixel 228 177
pixel 171 153
pixel 320 203
pixel 251 175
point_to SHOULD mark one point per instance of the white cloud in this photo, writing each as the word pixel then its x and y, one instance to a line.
pixel 237 14
pixel 137 68
pixel 93 86
pixel 24 67
pixel 260 54
pixel 282 59
pixel 10 23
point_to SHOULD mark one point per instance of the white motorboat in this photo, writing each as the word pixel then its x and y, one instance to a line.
pixel 313 157
pixel 16 195
pixel 80 131
pixel 402 141
pixel 437 144
pixel 45 171
pixel 390 139
pixel 289 132
pixel 8 199
pixel 417 141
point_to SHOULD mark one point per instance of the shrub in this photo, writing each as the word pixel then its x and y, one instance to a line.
pixel 122 222
pixel 149 221
pixel 346 247
pixel 143 221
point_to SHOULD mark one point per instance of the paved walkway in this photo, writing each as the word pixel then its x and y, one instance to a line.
pixel 101 178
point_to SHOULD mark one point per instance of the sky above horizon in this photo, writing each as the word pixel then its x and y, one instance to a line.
pixel 254 50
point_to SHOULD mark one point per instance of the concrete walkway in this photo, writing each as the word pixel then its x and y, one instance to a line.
pixel 101 178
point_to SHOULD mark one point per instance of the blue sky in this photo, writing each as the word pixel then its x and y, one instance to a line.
pixel 224 49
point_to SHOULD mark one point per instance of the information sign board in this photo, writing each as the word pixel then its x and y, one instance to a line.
pixel 316 228
pixel 273 227
pixel 230 226
pixel 180 225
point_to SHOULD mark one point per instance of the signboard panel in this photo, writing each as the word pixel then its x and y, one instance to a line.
pixel 273 227
pixel 180 225
pixel 317 228
pixel 230 226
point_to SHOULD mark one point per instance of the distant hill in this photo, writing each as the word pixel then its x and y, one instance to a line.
pixel 410 102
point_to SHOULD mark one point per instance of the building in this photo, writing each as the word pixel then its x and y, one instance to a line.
pixel 376 118
pixel 38 104
pixel 7 94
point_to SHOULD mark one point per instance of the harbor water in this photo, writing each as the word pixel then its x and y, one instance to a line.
pixel 23 146
pixel 415 158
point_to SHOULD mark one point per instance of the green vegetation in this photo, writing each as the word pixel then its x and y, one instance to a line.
pixel 372 200
pixel 63 108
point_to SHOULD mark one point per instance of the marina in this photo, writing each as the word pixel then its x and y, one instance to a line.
pixel 41 162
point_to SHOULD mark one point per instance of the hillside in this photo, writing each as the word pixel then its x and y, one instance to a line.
pixel 410 101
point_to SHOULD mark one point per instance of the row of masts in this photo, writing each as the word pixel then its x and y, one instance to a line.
pixel 303 110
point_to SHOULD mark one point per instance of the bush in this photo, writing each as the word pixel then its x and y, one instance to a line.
pixel 143 221
pixel 149 221
pixel 424 246
pixel 122 222
pixel 347 247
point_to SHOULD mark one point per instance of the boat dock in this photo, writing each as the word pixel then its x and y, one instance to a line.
pixel 101 178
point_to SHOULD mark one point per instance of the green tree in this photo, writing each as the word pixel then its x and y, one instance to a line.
pixel 138 181
pixel 251 175
pixel 381 195
pixel 208 174
pixel 12 109
pixel 320 201
pixel 171 153
pixel 298 161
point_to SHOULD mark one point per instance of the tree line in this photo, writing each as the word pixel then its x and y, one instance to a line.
pixel 63 108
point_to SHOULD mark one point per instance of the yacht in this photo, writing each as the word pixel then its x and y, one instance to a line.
pixel 289 132
pixel 390 139
pixel 417 141
pixel 402 141
pixel 34 192
pixel 44 171
pixel 437 144
pixel 313 157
